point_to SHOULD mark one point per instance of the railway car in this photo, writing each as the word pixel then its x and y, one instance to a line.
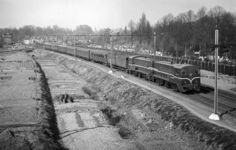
pixel 114 58
pixel 119 60
pixel 39 45
pixel 111 58
pixel 99 56
pixel 62 49
pixel 83 53
pixel 47 46
pixel 70 50
pixel 54 47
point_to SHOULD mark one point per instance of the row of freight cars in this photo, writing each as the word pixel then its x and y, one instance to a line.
pixel 179 77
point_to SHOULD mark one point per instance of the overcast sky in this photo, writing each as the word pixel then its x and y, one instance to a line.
pixel 96 13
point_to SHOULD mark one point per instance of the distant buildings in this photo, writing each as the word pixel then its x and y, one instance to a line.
pixel 7 38
pixel 28 41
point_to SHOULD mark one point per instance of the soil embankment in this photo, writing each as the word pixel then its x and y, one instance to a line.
pixel 150 121
pixel 81 123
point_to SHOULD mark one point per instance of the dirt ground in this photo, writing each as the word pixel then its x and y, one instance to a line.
pixel 70 105
pixel 81 123
pixel 25 122
pixel 110 113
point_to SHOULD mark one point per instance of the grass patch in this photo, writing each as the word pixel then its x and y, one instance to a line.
pixel 86 90
pixel 79 120
pixel 118 121
pixel 124 132
pixel 92 91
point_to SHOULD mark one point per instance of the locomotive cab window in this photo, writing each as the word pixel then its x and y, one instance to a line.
pixel 183 72
pixel 197 71
pixel 177 71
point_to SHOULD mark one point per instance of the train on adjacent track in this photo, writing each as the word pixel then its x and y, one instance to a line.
pixel 179 77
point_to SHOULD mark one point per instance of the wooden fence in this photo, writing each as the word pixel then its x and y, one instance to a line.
pixel 210 66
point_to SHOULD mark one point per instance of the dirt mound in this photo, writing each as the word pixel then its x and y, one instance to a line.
pixel 125 96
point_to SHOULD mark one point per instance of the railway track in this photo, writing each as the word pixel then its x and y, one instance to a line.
pixel 226 100
pixel 226 103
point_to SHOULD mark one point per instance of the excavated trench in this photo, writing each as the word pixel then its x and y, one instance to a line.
pixel 149 120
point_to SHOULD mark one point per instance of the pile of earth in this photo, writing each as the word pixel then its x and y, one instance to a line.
pixel 124 96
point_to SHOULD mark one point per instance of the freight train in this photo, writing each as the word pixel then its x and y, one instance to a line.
pixel 179 77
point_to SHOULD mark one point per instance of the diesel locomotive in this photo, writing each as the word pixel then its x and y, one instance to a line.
pixel 179 77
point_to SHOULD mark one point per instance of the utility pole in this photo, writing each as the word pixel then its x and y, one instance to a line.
pixel 155 46
pixel 185 50
pixel 74 47
pixel 111 53
pixel 140 32
pixel 215 115
pixel 104 41
pixel 162 49
pixel 161 44
pixel 176 49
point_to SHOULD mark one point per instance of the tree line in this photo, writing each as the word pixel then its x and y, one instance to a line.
pixel 180 35
pixel 190 32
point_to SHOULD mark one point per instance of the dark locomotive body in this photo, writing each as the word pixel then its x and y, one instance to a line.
pixel 179 77
pixel 140 66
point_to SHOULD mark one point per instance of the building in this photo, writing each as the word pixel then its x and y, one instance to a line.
pixel 7 38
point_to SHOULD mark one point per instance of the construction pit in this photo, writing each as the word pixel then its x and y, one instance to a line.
pixel 95 110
